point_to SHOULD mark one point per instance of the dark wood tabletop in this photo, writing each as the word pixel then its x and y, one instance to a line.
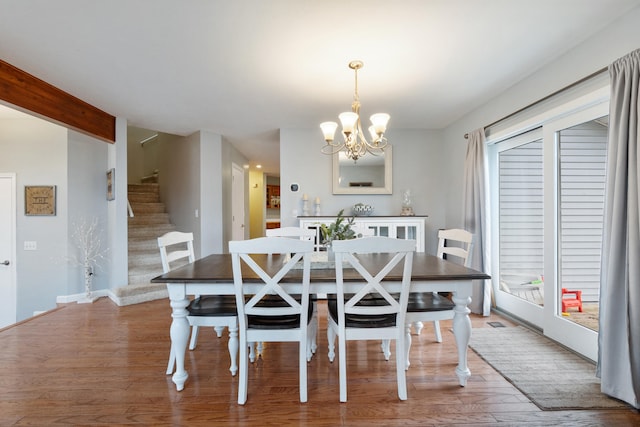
pixel 217 269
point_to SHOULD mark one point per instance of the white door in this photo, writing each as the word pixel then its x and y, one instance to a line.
pixel 549 195
pixel 237 203
pixel 577 207
pixel 7 249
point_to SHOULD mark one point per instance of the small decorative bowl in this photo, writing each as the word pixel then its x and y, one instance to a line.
pixel 361 209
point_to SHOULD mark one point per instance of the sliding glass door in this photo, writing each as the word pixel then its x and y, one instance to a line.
pixel 548 187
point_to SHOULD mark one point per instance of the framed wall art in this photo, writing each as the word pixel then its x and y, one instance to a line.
pixel 40 200
pixel 111 184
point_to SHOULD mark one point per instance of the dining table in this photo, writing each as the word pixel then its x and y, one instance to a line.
pixel 213 275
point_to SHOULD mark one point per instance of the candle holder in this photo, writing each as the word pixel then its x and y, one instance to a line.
pixel 317 207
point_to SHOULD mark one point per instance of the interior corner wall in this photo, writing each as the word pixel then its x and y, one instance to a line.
pixel 36 151
pixel 179 179
pixel 211 207
pixel 117 212
pixel 419 163
pixel 613 42
pixel 87 168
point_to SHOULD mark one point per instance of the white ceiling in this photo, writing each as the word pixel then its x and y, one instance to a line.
pixel 247 68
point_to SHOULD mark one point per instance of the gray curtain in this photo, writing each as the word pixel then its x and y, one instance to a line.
pixel 619 337
pixel 476 218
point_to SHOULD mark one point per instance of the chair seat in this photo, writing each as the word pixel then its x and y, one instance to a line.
pixel 213 305
pixel 363 320
pixel 277 322
pixel 428 301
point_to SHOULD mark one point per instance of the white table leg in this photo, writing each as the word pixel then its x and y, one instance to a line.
pixel 179 334
pixel 462 332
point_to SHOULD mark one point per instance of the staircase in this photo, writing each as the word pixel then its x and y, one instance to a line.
pixel 149 222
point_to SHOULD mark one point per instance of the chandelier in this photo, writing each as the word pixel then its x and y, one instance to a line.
pixel 354 142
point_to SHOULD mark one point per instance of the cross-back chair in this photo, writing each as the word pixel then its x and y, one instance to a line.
pixel 302 234
pixel 364 308
pixel 267 310
pixel 454 245
pixel 217 311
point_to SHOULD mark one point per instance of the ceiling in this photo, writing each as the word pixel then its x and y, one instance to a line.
pixel 247 68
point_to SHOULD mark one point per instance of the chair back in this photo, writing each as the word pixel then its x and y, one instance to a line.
pixel 302 233
pixel 175 246
pixel 260 302
pixel 462 241
pixel 372 297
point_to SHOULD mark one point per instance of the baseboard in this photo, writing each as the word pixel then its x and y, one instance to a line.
pixel 64 299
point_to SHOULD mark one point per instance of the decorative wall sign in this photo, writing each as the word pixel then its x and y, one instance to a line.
pixel 39 199
pixel 111 183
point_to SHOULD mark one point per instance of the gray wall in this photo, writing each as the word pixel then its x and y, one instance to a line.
pixel 419 161
pixel 195 174
pixel 42 153
pixel 616 40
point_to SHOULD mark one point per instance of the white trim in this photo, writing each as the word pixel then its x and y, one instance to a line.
pixel 65 299
pixel 583 102
pixel 13 267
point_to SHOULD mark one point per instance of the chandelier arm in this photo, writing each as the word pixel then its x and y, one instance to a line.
pixel 332 148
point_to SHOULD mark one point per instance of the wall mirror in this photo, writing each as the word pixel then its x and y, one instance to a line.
pixel 369 175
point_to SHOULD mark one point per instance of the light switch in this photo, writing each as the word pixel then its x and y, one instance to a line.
pixel 30 245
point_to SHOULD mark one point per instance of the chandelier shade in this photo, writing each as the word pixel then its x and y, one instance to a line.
pixel 354 142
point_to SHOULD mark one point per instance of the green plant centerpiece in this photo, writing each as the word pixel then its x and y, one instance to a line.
pixel 340 229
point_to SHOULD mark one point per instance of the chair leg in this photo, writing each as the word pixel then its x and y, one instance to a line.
pixel 342 363
pixel 219 330
pixel 313 338
pixel 386 349
pixel 194 337
pixel 172 361
pixel 243 381
pixel 252 352
pixel 407 345
pixel 302 362
pixel 331 338
pixel 400 370
pixel 436 328
pixel 233 349
pixel 417 327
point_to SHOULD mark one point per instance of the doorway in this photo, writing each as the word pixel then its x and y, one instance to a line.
pixel 8 291
pixel 549 195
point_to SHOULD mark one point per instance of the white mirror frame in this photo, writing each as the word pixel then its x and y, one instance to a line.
pixel 387 189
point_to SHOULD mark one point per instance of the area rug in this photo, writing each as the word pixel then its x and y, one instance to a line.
pixel 551 376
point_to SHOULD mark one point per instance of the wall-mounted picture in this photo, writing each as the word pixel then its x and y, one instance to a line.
pixel 40 200
pixel 111 184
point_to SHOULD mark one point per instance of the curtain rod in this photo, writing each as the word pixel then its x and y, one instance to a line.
pixel 582 80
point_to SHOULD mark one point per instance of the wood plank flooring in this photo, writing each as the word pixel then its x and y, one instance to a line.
pixel 99 364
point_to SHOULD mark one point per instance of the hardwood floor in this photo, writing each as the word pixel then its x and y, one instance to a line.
pixel 99 364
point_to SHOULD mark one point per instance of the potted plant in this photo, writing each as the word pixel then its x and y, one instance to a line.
pixel 340 229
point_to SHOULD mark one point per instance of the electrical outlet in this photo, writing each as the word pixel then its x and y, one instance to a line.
pixel 30 245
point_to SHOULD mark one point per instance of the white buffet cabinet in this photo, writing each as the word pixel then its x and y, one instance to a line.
pixel 399 227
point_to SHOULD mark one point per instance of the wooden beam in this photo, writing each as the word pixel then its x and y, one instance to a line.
pixel 25 91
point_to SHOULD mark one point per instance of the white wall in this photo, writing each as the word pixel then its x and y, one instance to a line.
pixel 419 161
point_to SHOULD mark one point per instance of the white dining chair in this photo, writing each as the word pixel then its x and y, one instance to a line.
pixel 217 311
pixel 267 312
pixel 369 310
pixel 454 245
pixel 302 234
